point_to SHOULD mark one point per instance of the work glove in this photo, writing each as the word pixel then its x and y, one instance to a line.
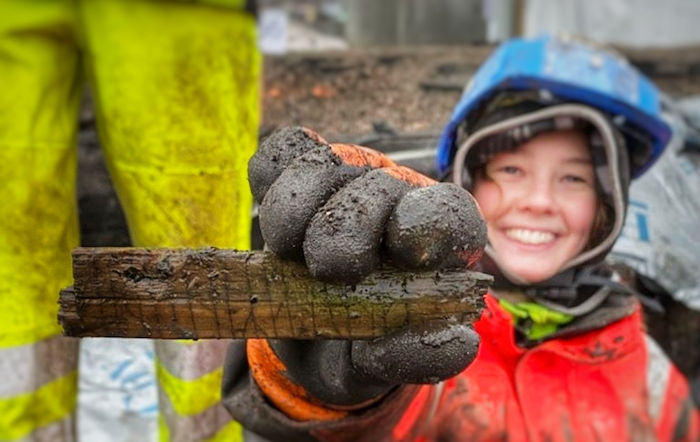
pixel 344 210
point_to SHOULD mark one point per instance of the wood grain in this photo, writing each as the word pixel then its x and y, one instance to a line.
pixel 220 293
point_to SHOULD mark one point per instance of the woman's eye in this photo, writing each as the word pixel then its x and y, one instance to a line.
pixel 574 179
pixel 510 170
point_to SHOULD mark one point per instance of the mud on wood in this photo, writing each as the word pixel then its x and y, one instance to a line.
pixel 216 293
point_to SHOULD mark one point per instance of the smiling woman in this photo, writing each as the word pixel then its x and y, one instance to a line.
pixel 539 202
pixel 544 156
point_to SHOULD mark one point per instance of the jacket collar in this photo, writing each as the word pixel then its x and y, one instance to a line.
pixel 612 339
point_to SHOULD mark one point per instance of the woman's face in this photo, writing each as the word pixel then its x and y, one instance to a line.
pixel 539 202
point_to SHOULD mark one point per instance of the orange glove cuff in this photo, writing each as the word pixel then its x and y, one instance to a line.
pixel 290 398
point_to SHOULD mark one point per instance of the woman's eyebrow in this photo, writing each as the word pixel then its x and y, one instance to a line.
pixel 579 160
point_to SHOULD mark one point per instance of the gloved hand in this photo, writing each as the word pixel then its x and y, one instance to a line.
pixel 343 209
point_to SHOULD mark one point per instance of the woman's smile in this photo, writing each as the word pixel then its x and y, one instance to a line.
pixel 530 236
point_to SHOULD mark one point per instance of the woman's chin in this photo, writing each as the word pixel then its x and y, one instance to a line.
pixel 529 275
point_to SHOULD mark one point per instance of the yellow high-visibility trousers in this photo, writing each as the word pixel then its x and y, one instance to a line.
pixel 175 88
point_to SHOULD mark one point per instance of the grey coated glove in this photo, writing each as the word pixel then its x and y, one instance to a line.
pixel 344 210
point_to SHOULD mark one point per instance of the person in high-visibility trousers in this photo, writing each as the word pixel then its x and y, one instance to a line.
pixel 176 93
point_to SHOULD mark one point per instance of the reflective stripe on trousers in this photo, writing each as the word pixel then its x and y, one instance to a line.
pixel 189 375
pixel 38 405
pixel 175 88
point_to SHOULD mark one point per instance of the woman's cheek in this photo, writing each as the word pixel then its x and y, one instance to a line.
pixel 588 209
pixel 488 195
pixel 581 215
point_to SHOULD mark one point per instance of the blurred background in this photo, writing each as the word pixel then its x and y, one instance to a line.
pixel 387 74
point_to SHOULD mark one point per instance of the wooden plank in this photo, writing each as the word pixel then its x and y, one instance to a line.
pixel 217 293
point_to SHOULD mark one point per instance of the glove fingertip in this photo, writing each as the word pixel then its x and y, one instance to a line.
pixel 295 197
pixel 342 242
pixel 436 227
pixel 275 153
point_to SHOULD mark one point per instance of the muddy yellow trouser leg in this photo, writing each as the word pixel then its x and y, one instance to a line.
pixel 176 95
pixel 39 100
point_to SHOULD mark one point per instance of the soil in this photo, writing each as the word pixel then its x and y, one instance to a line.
pixel 349 94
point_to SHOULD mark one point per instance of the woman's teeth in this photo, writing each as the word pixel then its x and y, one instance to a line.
pixel 530 236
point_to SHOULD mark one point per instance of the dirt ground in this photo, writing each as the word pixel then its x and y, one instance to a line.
pixel 351 93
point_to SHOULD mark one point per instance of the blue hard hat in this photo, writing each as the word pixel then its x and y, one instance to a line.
pixel 572 72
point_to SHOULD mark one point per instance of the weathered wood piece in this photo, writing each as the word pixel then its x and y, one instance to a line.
pixel 217 293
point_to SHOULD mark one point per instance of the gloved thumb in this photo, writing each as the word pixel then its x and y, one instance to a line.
pixel 424 354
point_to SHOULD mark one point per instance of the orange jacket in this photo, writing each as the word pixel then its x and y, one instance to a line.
pixel 613 383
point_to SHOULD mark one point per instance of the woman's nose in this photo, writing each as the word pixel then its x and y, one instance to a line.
pixel 537 196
